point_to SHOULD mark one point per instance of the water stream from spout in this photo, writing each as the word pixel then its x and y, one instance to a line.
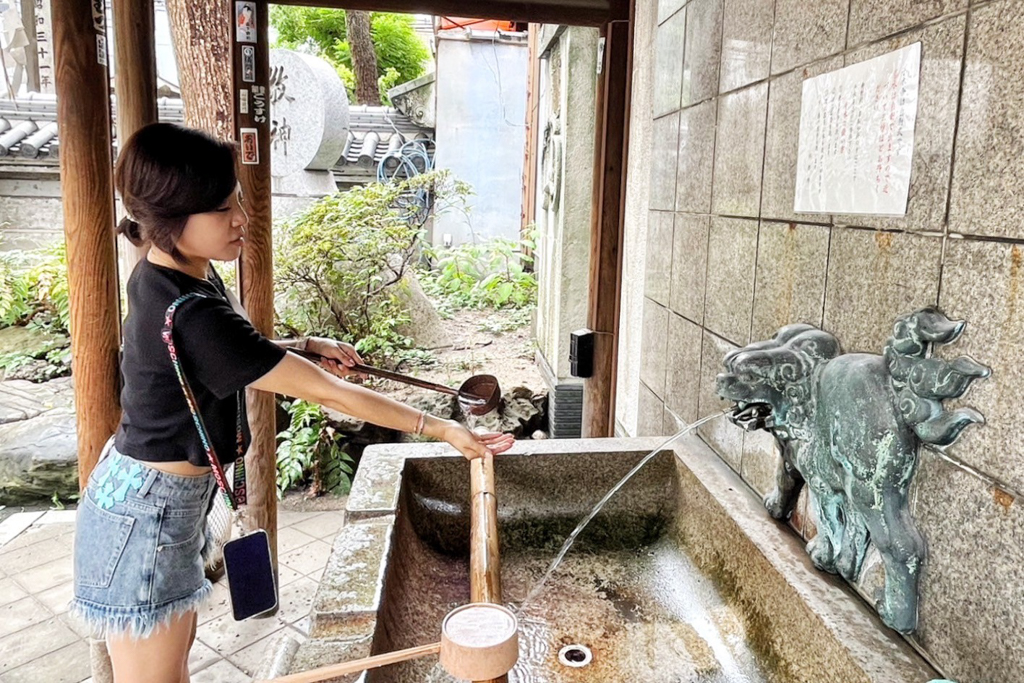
pixel 597 508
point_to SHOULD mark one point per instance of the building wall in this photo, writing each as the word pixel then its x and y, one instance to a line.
pixel 569 85
pixel 728 262
pixel 638 196
pixel 30 211
pixel 481 133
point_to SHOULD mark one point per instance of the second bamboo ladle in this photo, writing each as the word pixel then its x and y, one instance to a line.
pixel 478 395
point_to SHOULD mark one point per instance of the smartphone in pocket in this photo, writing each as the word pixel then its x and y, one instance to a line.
pixel 250 573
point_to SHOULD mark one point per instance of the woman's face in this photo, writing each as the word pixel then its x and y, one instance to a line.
pixel 216 235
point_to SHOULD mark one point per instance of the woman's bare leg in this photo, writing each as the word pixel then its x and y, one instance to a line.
pixel 161 658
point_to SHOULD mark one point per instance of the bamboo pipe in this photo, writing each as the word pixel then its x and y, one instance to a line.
pixel 484 560
pixel 359 665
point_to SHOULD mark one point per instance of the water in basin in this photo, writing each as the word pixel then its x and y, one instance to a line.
pixel 628 592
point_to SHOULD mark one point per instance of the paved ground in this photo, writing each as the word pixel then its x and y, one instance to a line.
pixel 40 642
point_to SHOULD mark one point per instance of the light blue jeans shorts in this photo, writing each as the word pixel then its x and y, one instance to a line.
pixel 139 543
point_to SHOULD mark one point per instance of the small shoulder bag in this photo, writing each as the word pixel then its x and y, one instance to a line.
pixel 247 559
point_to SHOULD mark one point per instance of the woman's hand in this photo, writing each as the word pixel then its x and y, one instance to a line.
pixel 343 355
pixel 475 445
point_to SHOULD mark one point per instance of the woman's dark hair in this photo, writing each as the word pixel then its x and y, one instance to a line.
pixel 164 174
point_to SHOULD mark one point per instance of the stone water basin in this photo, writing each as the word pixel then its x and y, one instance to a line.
pixel 682 577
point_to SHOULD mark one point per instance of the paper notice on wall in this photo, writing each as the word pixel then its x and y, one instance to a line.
pixel 857 137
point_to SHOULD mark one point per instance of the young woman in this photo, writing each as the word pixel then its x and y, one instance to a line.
pixel 139 536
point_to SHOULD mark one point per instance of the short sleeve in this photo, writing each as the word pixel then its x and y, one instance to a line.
pixel 221 349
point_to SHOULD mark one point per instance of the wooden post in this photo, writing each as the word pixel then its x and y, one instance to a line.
pixel 135 87
pixel 251 76
pixel 612 124
pixel 532 134
pixel 87 194
pixel 484 559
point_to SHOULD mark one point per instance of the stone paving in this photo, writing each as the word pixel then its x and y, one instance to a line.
pixel 40 642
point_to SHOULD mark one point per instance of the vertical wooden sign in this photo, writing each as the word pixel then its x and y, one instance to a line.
pixel 250 50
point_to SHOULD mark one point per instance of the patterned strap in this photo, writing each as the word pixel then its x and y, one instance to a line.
pixel 239 498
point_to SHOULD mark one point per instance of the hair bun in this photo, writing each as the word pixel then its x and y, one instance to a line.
pixel 131 230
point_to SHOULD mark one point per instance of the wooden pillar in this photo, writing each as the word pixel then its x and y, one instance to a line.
pixel 612 124
pixel 135 87
pixel 484 559
pixel 251 93
pixel 532 134
pixel 87 193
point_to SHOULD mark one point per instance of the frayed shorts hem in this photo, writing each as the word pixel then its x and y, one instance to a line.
pixel 136 623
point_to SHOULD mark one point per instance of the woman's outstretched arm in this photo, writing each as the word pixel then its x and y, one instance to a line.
pixel 299 378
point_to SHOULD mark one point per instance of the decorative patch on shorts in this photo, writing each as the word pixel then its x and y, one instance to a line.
pixel 121 474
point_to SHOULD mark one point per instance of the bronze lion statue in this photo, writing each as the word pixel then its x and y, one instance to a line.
pixel 849 427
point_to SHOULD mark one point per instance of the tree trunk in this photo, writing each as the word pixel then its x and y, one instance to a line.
pixel 364 59
pixel 201 32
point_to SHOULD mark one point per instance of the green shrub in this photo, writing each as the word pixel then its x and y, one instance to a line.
pixel 340 263
pixel 491 274
pixel 311 451
pixel 35 290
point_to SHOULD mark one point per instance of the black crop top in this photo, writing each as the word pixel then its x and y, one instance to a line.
pixel 221 353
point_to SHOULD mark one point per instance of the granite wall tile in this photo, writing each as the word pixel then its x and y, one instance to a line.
pixel 732 251
pixel 682 385
pixel 873 277
pixel 739 152
pixel 658 272
pixel 971 609
pixel 782 141
pixel 722 435
pixel 666 8
pixel 983 283
pixel 653 356
pixel 746 42
pixel 988 175
pixel 668 64
pixel 760 460
pixel 874 19
pixel 807 31
pixel 650 420
pixel 689 266
pixel 789 285
pixel 703 50
pixel 664 151
pixel 696 157
pixel 935 126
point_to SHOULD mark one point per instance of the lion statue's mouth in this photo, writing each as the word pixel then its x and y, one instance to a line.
pixel 752 416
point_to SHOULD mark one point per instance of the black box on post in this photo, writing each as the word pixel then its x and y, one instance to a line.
pixel 581 353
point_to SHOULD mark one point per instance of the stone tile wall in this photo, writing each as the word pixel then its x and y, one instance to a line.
pixel 729 262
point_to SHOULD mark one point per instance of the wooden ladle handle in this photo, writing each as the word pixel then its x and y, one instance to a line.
pixel 358 665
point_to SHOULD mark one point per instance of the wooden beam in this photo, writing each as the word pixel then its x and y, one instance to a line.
pixel 256 269
pixel 484 559
pixel 612 123
pixel 574 12
pixel 87 194
pixel 135 85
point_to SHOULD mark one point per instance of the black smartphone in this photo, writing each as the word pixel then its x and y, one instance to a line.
pixel 250 573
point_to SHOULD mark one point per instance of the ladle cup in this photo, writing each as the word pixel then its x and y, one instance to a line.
pixel 478 395
pixel 479 642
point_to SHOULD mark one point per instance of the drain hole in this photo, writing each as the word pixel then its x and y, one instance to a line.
pixel 576 656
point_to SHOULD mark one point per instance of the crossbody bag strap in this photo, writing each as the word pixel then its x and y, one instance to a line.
pixel 237 498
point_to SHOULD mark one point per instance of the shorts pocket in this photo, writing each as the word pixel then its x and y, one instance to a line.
pixel 103 536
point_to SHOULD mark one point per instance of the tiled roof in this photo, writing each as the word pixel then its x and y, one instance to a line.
pixel 28 134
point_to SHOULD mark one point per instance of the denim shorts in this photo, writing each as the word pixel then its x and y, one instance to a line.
pixel 139 542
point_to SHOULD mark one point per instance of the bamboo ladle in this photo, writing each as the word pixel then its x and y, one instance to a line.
pixel 479 642
pixel 478 395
